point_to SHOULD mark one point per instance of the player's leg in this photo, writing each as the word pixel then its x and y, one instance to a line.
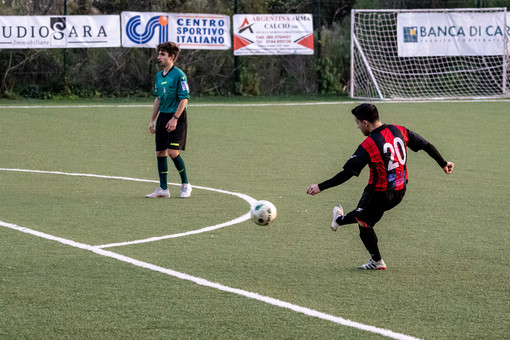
pixel 366 223
pixel 177 142
pixel 369 238
pixel 181 169
pixel 367 232
pixel 162 169
pixel 375 208
pixel 370 211
pixel 161 138
pixel 179 164
pixel 340 219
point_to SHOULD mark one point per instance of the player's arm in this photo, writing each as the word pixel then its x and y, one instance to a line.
pixel 434 153
pixel 338 179
pixel 183 96
pixel 417 142
pixel 352 168
pixel 172 123
pixel 155 111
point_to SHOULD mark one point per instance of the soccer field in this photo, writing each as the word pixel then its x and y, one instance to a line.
pixel 85 256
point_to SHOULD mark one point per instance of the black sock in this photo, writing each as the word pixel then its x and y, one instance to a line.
pixel 369 238
pixel 163 172
pixel 346 219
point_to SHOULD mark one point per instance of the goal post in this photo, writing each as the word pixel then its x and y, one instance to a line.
pixel 430 54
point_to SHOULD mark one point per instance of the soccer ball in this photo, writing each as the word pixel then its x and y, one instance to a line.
pixel 263 212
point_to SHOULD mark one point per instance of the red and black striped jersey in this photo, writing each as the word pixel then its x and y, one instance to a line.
pixel 385 151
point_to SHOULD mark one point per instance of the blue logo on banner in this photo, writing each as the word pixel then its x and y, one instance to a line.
pixel 411 34
pixel 150 29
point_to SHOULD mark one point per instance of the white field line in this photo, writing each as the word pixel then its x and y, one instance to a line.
pixel 150 106
pixel 206 283
pixel 240 219
pixel 257 104
pixel 237 220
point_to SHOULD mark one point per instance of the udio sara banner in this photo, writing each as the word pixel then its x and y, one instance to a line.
pixel 70 31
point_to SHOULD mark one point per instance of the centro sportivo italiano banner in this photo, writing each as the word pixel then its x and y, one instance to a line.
pixel 266 34
pixel 189 31
pixel 65 31
pixel 452 34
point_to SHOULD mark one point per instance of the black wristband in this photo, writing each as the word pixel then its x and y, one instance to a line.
pixel 176 117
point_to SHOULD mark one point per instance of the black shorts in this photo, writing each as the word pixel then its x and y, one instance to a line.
pixel 373 204
pixel 176 139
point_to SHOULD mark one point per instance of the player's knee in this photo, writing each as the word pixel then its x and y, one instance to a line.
pixel 363 223
pixel 173 153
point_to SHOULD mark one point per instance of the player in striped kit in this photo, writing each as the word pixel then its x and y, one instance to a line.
pixel 385 152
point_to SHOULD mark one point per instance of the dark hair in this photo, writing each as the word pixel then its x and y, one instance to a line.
pixel 171 48
pixel 366 112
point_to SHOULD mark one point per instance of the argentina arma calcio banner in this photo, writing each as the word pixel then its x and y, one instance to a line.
pixel 59 31
pixel 273 34
pixel 189 31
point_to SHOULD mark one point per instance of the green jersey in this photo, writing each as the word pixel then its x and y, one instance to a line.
pixel 171 88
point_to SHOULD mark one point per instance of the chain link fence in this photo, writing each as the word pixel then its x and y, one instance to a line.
pixel 129 72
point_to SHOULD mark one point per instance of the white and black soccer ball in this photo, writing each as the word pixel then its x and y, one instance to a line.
pixel 263 212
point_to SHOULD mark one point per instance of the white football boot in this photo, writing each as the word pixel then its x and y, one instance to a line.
pixel 186 190
pixel 159 193
pixel 372 265
pixel 337 212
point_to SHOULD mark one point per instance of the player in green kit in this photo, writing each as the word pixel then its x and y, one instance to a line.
pixel 172 94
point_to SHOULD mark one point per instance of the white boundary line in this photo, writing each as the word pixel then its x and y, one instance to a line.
pixel 206 283
pixel 240 219
pixel 259 104
pixel 203 282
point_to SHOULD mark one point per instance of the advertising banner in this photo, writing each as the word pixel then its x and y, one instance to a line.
pixel 189 31
pixel 452 34
pixel 271 34
pixel 66 31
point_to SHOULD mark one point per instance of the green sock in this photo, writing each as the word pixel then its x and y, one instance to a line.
pixel 163 172
pixel 181 168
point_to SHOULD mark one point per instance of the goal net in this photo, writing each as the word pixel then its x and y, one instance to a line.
pixel 430 54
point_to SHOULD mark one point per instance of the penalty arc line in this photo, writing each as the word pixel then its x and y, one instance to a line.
pixel 240 219
pixel 210 284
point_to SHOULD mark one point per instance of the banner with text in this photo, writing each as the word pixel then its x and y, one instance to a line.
pixel 452 34
pixel 65 31
pixel 266 34
pixel 189 31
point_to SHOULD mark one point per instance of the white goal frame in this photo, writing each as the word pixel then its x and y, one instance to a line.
pixel 377 72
